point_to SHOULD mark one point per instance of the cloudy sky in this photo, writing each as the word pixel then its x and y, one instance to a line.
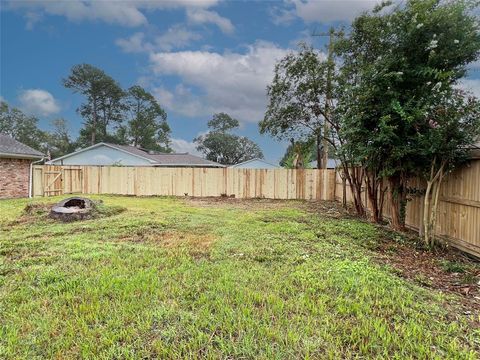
pixel 197 57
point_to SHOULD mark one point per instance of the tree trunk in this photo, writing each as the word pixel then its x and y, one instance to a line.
pixel 430 204
pixel 94 125
pixel 373 196
pixel 319 150
pixel 426 214
pixel 433 218
pixel 381 199
pixel 354 176
pixel 397 199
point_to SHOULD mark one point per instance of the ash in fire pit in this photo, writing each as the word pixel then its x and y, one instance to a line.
pixel 71 209
pixel 75 203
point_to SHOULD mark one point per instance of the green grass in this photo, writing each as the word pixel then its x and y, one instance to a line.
pixel 168 279
pixel 452 266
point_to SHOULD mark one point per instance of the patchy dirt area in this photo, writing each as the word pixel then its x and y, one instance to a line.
pixel 324 208
pixel 252 204
pixel 446 269
pixel 197 243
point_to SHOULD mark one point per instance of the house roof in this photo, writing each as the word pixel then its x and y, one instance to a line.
pixel 331 164
pixel 251 161
pixel 155 158
pixel 12 148
pixel 475 150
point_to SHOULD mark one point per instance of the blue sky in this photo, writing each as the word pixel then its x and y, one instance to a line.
pixel 196 57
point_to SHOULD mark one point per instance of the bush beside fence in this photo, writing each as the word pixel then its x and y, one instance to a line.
pixel 458 219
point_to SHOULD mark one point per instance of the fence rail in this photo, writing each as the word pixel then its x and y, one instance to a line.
pixel 458 218
pixel 143 181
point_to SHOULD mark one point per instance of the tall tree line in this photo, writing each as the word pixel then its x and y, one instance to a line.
pixel 24 128
pixel 110 114
pixel 123 116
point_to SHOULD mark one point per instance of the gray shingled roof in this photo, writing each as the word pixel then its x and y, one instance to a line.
pixel 475 151
pixel 15 149
pixel 168 159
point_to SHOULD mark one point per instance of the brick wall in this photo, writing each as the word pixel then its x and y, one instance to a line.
pixel 14 177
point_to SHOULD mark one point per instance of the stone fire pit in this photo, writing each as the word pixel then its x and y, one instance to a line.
pixel 72 209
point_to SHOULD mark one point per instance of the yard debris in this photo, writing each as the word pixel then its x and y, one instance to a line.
pixel 447 269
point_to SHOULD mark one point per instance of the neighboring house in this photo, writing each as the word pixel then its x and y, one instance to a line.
pixel 255 164
pixel 331 164
pixel 124 155
pixel 475 151
pixel 15 167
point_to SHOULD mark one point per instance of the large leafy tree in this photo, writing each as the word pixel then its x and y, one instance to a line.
pixel 147 126
pixel 395 63
pixel 453 124
pixel 298 102
pixel 103 106
pixel 220 145
pixel 22 127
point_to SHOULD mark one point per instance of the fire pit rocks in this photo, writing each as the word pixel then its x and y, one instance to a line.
pixel 72 209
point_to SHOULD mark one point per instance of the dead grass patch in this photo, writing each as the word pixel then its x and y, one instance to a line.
pixel 32 213
pixel 248 204
pixel 196 242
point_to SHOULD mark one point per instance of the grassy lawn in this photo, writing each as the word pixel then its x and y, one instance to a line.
pixel 169 278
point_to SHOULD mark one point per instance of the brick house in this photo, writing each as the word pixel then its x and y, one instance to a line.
pixel 15 167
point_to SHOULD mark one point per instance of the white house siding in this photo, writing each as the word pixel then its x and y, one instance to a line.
pixel 103 155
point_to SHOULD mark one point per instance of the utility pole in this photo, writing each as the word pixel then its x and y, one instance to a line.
pixel 328 95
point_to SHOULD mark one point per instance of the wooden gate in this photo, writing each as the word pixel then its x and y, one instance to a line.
pixel 53 182
pixel 56 180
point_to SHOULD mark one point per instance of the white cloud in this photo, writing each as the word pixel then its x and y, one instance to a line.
pixel 321 11
pixel 231 82
pixel 38 102
pixel 182 146
pixel 471 85
pixel 124 13
pixel 474 65
pixel 32 18
pixel 182 101
pixel 121 12
pixel 202 16
pixel 177 36
pixel 134 44
pixel 282 16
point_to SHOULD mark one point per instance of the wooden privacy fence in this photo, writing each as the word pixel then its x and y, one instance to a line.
pixel 458 218
pixel 315 184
